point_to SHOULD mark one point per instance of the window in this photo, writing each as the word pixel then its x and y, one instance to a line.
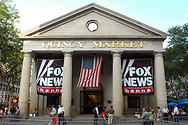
pixel 3 88
pixel 133 102
pixel 92 25
pixel 6 98
pixel 6 88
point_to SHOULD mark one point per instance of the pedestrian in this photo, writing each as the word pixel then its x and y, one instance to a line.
pixel 103 117
pixel 17 112
pixel 61 114
pixel 2 112
pixel 152 116
pixel 5 112
pixel 158 115
pixel 107 114
pixel 6 109
pixel 96 114
pixel 12 112
pixel 165 113
pixel 145 117
pixel 53 111
pixel 176 114
pixel 106 110
pixel 53 119
pixel 137 113
pixel 110 115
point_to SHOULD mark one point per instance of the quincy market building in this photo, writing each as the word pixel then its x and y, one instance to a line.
pixel 128 55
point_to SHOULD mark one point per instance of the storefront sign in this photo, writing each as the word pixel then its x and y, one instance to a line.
pixel 137 76
pixel 94 44
pixel 15 100
pixel 49 76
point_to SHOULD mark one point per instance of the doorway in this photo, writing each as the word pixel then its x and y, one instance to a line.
pixel 89 99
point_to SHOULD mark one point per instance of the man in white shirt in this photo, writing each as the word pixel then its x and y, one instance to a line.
pixel 176 114
pixel 61 114
pixel 165 113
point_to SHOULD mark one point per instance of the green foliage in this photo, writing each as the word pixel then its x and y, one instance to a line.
pixel 10 44
pixel 176 55
pixel 175 60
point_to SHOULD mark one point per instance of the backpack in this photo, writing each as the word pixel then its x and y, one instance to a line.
pixel 94 111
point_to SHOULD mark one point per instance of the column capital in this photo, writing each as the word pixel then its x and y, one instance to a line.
pixel 27 54
pixel 68 53
pixel 159 53
pixel 116 53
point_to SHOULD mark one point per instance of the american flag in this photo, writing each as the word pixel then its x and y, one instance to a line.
pixel 90 72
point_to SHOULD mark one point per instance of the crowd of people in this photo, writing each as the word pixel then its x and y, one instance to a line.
pixel 106 116
pixel 14 111
pixel 59 114
pixel 151 116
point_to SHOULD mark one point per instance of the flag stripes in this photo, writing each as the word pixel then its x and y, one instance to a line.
pixel 90 72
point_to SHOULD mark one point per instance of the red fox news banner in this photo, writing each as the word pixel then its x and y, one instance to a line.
pixel 90 72
pixel 49 76
pixel 137 76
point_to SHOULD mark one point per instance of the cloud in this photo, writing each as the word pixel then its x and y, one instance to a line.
pixel 32 16
pixel 186 14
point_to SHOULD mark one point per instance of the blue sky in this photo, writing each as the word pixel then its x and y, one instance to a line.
pixel 160 14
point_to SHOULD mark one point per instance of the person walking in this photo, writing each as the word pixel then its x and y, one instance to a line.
pixel 110 115
pixel 145 117
pixel 61 114
pixel 176 114
pixel 53 111
pixel 53 119
pixel 6 110
pixel 152 116
pixel 12 111
pixel 158 115
pixel 17 111
pixel 103 117
pixel 96 114
pixel 165 113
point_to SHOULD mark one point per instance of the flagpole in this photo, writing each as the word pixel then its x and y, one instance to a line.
pixel 75 88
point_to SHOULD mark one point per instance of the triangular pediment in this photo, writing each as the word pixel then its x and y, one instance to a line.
pixel 110 24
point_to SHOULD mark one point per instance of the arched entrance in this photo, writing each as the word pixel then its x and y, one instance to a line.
pixel 89 98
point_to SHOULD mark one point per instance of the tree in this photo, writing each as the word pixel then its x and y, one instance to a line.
pixel 10 46
pixel 176 58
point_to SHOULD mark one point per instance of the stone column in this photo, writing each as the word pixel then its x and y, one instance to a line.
pixel 117 95
pixel 160 86
pixel 66 96
pixel 33 96
pixel 24 84
pixel 40 103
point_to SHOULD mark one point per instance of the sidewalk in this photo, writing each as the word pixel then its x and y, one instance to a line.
pixel 81 119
